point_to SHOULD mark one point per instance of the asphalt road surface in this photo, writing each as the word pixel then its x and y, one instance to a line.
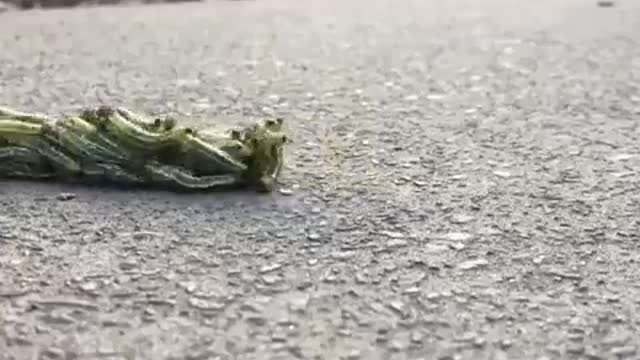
pixel 462 184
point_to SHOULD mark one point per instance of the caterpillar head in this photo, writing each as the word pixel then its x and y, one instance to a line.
pixel 267 144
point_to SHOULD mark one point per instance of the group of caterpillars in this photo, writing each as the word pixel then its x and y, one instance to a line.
pixel 116 145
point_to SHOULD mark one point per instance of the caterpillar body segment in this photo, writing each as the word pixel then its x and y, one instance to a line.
pixel 137 137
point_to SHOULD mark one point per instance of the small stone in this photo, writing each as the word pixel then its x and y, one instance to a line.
pixel 269 268
pixel 298 302
pixel 592 353
pixel 342 255
pixel 330 279
pixel 411 278
pixel 457 236
pixel 278 337
pixel 116 323
pixel 256 319
pixel 206 305
pixel 621 351
pixel 506 343
pixel 612 298
pixel 582 288
pixel 622 174
pixel 459 177
pixel 435 248
pixel 432 296
pixel 396 243
pixel 53 353
pixel 576 336
pixel 468 337
pixel 392 234
pixel 13 293
pixel 502 174
pixel 314 237
pixel 605 3
pixel 617 339
pixel 398 306
pixel 495 316
pixel 254 305
pixel 361 279
pixel 188 286
pixel 416 337
pixel 57 319
pixel 304 284
pixel 461 219
pixel 563 274
pixel 575 349
pixel 286 191
pixel 473 264
pixel 271 279
pixel 66 196
pixel 419 183
pixel 397 345
pixel 479 341
pixel 89 286
pixel 352 355
pixel 127 265
pixel 66 302
pixel 620 157
pixel 411 291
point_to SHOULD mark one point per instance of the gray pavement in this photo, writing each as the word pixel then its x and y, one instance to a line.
pixel 463 184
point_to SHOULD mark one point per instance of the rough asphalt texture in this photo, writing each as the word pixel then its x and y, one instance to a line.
pixel 463 184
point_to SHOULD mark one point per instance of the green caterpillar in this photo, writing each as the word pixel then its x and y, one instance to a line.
pixel 18 154
pixel 139 138
pixel 22 116
pixel 155 125
pixel 113 173
pixel 204 152
pixel 16 132
pixel 173 175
